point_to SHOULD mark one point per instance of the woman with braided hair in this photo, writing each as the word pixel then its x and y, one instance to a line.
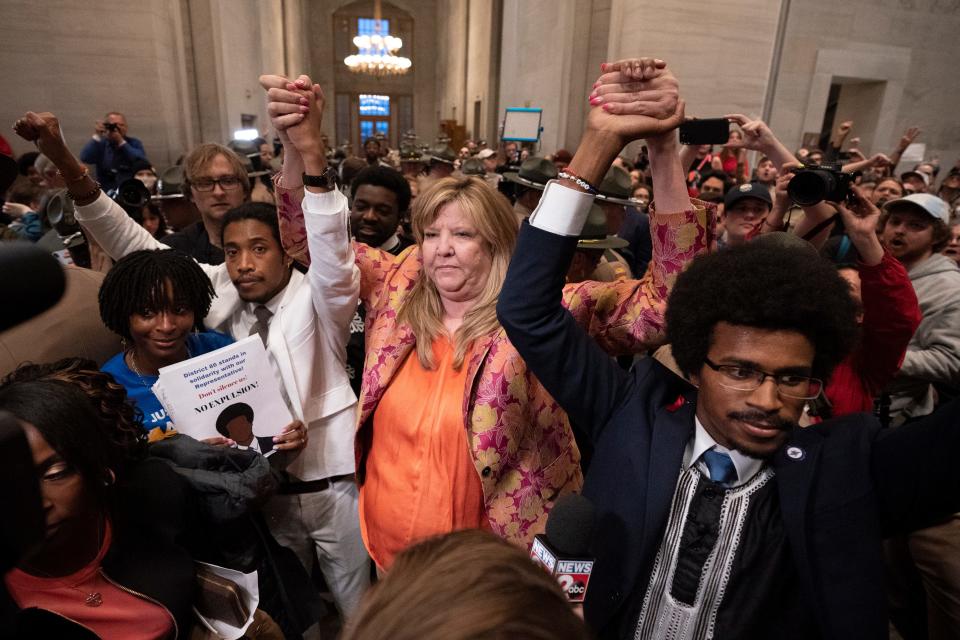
pixel 156 300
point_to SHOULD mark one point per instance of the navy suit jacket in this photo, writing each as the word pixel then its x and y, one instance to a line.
pixel 848 484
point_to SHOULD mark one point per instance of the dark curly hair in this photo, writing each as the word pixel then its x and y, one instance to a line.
pixel 120 421
pixel 137 282
pixel 765 285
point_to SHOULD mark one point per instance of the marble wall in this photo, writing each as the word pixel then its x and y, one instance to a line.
pixel 186 70
pixel 895 59
pixel 80 61
pixel 911 46
pixel 182 72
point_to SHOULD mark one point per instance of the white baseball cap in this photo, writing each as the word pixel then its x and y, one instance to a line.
pixel 486 153
pixel 927 202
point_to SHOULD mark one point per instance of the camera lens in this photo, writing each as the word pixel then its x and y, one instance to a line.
pixel 132 194
pixel 808 187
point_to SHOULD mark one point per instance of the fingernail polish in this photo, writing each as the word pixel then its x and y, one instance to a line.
pixel 605 107
pixel 596 100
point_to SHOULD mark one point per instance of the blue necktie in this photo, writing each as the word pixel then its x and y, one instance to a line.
pixel 720 467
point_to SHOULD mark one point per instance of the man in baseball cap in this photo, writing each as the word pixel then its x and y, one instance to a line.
pixel 745 209
pixel 915 229
pixel 915 181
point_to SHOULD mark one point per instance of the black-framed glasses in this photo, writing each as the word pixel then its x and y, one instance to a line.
pixel 742 378
pixel 227 183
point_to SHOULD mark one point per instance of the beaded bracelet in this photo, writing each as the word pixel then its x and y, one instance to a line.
pixel 580 182
pixel 89 195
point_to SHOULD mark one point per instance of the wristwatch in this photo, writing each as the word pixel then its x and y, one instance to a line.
pixel 326 180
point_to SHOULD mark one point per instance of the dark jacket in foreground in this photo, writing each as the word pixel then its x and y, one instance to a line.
pixel 854 484
pixel 144 557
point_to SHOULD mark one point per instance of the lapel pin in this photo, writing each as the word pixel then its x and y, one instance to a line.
pixel 795 453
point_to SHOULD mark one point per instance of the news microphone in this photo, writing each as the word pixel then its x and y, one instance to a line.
pixel 564 549
pixel 32 282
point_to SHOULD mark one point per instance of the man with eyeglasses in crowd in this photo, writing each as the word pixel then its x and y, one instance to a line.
pixel 215 181
pixel 718 517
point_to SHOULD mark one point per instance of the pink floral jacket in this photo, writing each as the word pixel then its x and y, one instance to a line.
pixel 520 439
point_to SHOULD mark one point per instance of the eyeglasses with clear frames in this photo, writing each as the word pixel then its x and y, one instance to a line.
pixel 227 183
pixel 742 378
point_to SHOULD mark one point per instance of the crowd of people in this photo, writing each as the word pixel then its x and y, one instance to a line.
pixel 753 387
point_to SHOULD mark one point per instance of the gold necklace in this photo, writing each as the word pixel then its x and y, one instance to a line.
pixel 92 598
pixel 136 369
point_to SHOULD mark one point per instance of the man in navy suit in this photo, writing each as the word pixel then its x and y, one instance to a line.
pixel 718 517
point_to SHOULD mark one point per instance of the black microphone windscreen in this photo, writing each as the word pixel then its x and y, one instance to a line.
pixel 570 525
pixel 32 282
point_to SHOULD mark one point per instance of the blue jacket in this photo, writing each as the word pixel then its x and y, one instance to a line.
pixel 114 164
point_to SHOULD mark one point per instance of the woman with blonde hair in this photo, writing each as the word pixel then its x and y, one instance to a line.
pixel 461 435
pixel 466 585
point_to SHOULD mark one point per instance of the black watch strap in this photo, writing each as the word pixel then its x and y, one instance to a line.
pixel 326 180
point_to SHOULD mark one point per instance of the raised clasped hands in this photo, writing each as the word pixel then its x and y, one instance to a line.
pixel 635 98
pixel 296 111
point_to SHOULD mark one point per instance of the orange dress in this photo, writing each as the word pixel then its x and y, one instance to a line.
pixel 421 480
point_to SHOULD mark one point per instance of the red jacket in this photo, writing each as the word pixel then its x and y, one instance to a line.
pixel 891 315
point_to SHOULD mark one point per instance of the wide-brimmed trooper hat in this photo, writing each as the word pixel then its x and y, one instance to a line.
pixel 441 153
pixel 535 172
pixel 617 188
pixel 594 234
pixel 472 167
pixel 170 183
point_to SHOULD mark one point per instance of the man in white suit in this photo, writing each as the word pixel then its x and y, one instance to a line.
pixel 304 322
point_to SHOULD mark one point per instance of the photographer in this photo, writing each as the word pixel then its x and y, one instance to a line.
pixel 112 151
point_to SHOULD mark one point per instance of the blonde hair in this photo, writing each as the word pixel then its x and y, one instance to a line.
pixel 490 213
pixel 202 155
pixel 466 585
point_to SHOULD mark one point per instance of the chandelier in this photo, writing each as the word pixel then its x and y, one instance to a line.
pixel 377 55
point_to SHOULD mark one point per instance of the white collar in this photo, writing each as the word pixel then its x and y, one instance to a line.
pixel 274 303
pixel 746 466
pixel 391 243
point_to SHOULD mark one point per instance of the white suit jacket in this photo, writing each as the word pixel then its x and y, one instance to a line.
pixel 308 333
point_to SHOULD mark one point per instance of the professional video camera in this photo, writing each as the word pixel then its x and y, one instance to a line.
pixel 815 183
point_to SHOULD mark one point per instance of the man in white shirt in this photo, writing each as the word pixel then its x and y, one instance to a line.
pixel 304 322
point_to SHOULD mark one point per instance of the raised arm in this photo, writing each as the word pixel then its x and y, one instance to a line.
pixel 905 141
pixel 100 216
pixel 573 368
pixel 289 103
pixel 891 313
pixel 333 275
pixel 287 107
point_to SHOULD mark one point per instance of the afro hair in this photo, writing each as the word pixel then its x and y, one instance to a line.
pixel 766 285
